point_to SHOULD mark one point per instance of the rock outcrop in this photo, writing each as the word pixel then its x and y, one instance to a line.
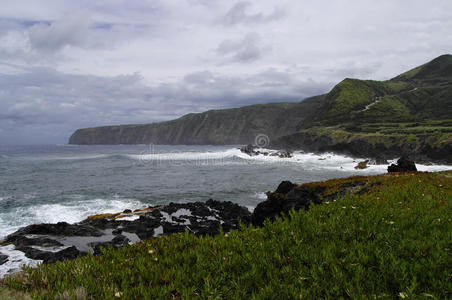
pixel 215 127
pixel 61 241
pixel 290 196
pixel 3 259
pixel 403 165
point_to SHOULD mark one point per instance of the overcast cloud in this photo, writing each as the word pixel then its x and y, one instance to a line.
pixel 71 64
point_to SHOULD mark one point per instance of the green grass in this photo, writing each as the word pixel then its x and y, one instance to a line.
pixel 394 241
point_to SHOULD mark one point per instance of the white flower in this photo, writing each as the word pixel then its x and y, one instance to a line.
pixel 118 294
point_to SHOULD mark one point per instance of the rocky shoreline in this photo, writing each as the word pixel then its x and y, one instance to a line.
pixel 49 243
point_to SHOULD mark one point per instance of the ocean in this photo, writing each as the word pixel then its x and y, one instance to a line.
pixel 53 183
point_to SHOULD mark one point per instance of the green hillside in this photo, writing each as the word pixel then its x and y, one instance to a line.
pixel 424 93
pixel 409 114
pixel 394 117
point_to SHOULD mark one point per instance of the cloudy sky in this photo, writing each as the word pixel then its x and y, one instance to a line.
pixel 82 63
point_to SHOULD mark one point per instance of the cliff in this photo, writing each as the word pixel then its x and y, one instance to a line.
pixel 214 127
pixel 410 114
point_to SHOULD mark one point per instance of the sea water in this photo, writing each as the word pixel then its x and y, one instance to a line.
pixel 54 183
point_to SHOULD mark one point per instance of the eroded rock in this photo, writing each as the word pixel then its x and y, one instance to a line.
pixel 403 165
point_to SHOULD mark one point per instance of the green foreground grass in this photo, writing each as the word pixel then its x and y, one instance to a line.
pixel 394 241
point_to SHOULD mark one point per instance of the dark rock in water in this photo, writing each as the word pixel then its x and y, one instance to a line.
pixel 61 241
pixel 249 149
pixel 116 242
pixel 403 165
pixel 361 165
pixel 3 259
pixel 284 154
pixel 59 229
pixel 49 256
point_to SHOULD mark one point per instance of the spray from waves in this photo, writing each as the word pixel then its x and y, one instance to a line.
pixel 309 161
pixel 71 212
pixel 186 156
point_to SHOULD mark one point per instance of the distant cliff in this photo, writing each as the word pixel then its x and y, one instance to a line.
pixel 215 127
pixel 409 114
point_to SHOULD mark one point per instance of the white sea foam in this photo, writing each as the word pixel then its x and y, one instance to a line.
pixel 187 156
pixel 260 196
pixel 309 161
pixel 16 259
pixel 70 212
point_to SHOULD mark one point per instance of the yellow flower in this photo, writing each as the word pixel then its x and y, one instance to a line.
pixel 130 243
pixel 226 235
pixel 156 259
pixel 403 295
pixel 151 251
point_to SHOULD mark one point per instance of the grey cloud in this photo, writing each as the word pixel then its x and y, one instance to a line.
pixel 238 14
pixel 248 49
pixel 46 103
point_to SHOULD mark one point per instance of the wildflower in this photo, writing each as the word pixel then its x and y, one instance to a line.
pixel 353 207
pixel 391 222
pixel 130 243
pixel 303 278
pixel 344 207
pixel 118 294
pixel 226 235
pixel 403 295
pixel 156 259
pixel 151 251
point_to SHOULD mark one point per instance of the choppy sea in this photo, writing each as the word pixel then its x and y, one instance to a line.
pixel 53 183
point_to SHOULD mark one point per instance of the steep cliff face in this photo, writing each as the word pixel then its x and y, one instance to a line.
pixel 409 114
pixel 215 127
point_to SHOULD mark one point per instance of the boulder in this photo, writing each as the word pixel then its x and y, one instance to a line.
pixel 249 149
pixel 403 165
pixel 362 165
pixel 284 154
pixel 3 259
pixel 284 187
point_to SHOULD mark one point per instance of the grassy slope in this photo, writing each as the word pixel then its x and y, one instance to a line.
pixel 410 113
pixel 381 244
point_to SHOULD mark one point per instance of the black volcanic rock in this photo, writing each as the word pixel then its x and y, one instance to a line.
pixel 277 203
pixel 284 187
pixel 249 149
pixel 290 196
pixel 3 259
pixel 61 241
pixel 59 229
pixel 403 165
